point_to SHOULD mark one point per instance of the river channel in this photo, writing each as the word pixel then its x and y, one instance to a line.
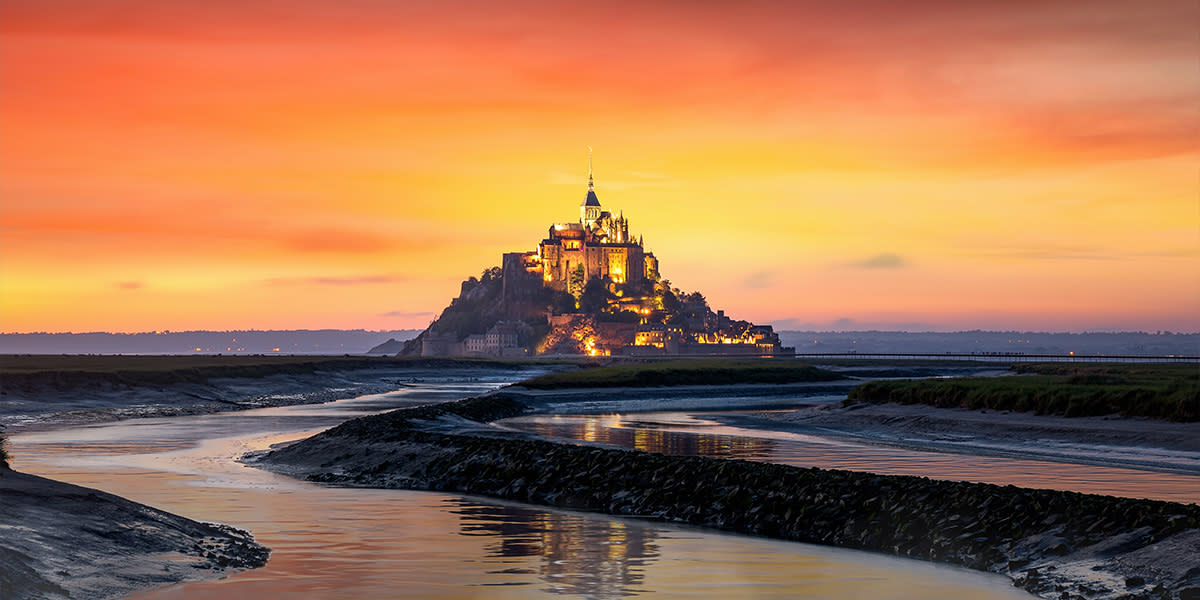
pixel 360 543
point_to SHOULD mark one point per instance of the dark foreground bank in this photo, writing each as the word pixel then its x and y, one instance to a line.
pixel 38 390
pixel 1051 543
pixel 59 540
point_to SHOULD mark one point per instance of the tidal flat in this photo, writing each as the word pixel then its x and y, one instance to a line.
pixel 1090 546
pixel 1092 568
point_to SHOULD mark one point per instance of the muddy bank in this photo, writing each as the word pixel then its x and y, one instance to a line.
pixel 1135 442
pixel 1049 542
pixel 73 397
pixel 684 397
pixel 66 541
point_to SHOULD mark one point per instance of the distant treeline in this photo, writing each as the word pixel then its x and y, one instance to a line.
pixel 1145 390
pixel 321 341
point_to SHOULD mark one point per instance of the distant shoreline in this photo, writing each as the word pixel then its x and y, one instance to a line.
pixel 358 342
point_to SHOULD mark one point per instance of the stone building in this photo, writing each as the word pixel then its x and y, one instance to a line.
pixel 499 341
pixel 597 246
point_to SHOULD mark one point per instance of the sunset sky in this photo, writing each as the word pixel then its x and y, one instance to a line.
pixel 944 165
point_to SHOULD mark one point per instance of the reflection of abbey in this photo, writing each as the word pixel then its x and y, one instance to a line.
pixel 590 287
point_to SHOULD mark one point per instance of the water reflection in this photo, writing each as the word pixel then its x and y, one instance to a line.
pixel 647 435
pixel 692 435
pixel 577 555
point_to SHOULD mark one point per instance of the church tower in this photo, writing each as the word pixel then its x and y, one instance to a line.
pixel 589 211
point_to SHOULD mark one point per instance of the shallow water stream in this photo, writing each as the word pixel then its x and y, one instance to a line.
pixel 361 543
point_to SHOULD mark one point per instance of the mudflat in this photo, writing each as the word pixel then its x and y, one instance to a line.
pixel 1137 442
pixel 65 541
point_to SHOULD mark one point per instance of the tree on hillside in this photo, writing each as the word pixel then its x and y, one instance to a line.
pixel 595 297
pixel 576 281
pixel 670 303
pixel 562 303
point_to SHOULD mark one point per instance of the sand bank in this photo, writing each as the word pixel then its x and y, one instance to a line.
pixel 59 540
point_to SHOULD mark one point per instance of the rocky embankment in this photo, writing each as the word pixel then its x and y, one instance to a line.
pixel 1054 544
pixel 66 541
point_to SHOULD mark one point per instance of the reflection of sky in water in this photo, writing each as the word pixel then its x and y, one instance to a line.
pixel 683 434
pixel 382 544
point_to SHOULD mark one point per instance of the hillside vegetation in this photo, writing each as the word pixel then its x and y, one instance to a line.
pixel 1163 391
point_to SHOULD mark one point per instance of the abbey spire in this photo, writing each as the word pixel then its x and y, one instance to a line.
pixel 589 210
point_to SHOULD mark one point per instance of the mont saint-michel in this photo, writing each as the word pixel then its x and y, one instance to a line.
pixel 591 287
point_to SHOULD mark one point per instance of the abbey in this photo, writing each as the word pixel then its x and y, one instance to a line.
pixel 590 288
pixel 598 246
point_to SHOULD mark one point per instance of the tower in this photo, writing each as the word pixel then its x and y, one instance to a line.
pixel 589 210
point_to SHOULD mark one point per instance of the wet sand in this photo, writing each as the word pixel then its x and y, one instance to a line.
pixel 66 541
pixel 1137 443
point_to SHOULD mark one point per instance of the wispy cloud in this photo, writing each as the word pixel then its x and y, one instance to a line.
pixel 338 240
pixel 849 324
pixel 352 280
pixel 1054 252
pixel 883 260
pixel 759 280
pixel 614 182
pixel 130 285
pixel 406 315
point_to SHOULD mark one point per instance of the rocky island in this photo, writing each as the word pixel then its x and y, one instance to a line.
pixel 590 288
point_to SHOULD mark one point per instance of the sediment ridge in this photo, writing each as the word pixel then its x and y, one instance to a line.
pixel 1052 543
pixel 37 391
pixel 65 541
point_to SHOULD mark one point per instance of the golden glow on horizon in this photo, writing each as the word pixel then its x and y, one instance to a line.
pixel 958 165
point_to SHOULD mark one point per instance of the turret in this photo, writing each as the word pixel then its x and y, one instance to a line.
pixel 589 210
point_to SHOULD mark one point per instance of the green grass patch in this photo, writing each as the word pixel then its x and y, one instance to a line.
pixel 685 372
pixel 1163 391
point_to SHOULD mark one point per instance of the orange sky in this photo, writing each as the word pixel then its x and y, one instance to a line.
pixel 922 165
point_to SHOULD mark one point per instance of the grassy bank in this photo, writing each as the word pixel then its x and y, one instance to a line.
pixel 1163 391
pixel 109 363
pixel 67 370
pixel 685 372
